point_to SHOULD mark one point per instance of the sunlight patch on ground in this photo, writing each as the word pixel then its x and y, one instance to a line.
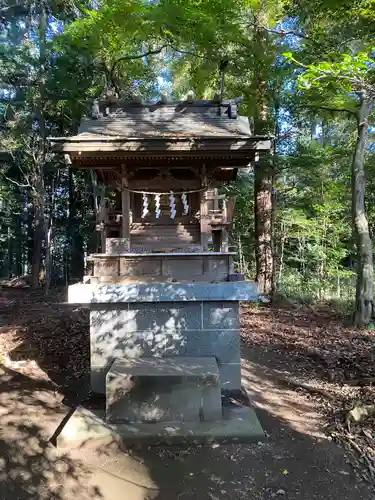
pixel 287 405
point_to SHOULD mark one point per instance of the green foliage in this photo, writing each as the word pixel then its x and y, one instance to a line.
pixel 286 79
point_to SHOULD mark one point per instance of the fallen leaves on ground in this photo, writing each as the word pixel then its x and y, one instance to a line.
pixel 44 335
pixel 316 351
pixel 311 349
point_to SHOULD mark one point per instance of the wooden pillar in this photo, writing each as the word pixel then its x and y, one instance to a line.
pixel 103 220
pixel 224 240
pixel 225 211
pixel 204 222
pixel 125 207
pixel 216 200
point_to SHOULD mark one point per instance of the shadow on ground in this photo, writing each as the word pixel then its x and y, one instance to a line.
pixel 295 461
pixel 41 335
pixel 30 467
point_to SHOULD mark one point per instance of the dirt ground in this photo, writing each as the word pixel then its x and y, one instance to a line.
pixel 44 346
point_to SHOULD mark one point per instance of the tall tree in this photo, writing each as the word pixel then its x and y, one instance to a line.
pixel 338 70
pixel 353 80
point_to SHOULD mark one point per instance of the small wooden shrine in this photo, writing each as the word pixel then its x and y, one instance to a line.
pixel 163 164
pixel 163 295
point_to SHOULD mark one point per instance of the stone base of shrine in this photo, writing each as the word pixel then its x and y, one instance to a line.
pixel 167 358
pixel 165 319
pixel 88 427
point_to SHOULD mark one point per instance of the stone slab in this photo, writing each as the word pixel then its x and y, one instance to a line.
pixel 224 345
pixel 162 316
pixel 162 292
pixel 165 316
pixel 223 315
pixel 112 339
pixel 230 372
pixel 172 389
pixel 97 378
pixel 239 425
pixel 236 277
pixel 230 376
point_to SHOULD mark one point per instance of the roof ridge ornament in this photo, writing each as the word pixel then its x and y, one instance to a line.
pixel 190 97
pixel 95 111
pixel 232 110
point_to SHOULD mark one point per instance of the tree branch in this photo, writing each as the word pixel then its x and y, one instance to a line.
pixel 151 53
pixel 16 183
pixel 283 32
pixel 280 32
pixel 131 58
pixel 13 9
pixel 191 53
pixel 328 108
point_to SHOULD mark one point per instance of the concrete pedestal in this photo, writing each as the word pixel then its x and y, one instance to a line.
pixel 163 353
pixel 165 319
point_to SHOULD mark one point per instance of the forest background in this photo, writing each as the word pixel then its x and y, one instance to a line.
pixel 305 213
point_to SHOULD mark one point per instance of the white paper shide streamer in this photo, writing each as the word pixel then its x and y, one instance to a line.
pixel 172 204
pixel 157 206
pixel 145 205
pixel 185 204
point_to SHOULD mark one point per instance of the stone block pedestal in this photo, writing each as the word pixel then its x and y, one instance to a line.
pixel 162 319
pixel 163 390
pixel 163 353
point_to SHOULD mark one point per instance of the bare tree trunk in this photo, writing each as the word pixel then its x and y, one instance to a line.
pixel 263 174
pixel 365 271
pixel 96 207
pixel 49 251
pixel 38 181
pixel 49 239
pixel 71 217
pixel 39 230
pixel 76 243
pixel 263 228
pixel 281 261
pixel 18 237
pixel 9 260
pixel 30 232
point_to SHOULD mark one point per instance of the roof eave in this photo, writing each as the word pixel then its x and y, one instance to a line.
pixel 172 144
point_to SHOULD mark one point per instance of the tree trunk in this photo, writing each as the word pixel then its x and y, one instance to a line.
pixel 39 231
pixel 76 260
pixel 95 239
pixel 18 237
pixel 10 253
pixel 30 233
pixel 71 216
pixel 49 250
pixel 365 272
pixel 38 180
pixel 263 172
pixel 263 228
pixel 49 238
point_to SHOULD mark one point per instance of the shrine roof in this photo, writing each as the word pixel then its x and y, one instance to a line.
pixel 168 120
pixel 163 126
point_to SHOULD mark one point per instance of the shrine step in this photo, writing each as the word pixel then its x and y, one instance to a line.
pixel 170 389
